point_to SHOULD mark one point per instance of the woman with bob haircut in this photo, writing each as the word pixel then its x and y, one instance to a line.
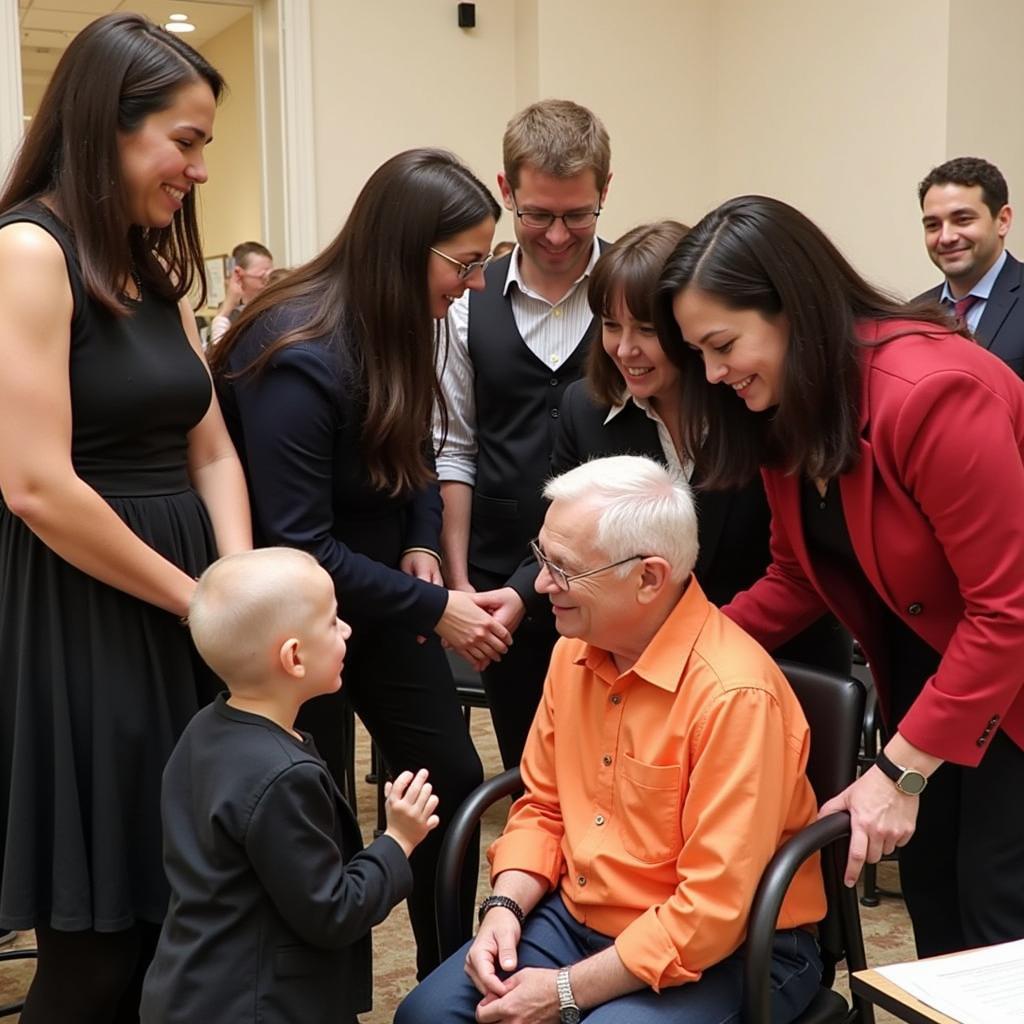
pixel 119 485
pixel 328 380
pixel 629 403
pixel 891 450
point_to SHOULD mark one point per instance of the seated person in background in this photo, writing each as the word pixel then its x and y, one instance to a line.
pixel 664 768
pixel 272 895
pixel 630 402
pixel 251 268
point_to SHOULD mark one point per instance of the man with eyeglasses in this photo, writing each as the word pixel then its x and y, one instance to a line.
pixel 251 264
pixel 513 349
pixel 664 768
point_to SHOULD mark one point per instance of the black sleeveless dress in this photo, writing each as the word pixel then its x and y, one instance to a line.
pixel 95 685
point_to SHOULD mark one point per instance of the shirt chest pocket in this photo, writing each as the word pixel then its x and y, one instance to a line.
pixel 647 809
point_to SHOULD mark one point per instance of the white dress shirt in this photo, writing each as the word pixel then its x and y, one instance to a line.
pixel 551 331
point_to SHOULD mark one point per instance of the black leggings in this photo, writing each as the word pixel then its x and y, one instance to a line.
pixel 89 977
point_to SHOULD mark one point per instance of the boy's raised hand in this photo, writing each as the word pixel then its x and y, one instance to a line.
pixel 409 805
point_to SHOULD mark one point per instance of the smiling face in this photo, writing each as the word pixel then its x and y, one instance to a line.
pixel 634 348
pixel 961 235
pixel 444 284
pixel 555 253
pixel 600 609
pixel 162 160
pixel 741 348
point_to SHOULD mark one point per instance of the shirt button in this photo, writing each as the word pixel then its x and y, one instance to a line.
pixel 554 414
pixel 606 760
pixel 599 820
pixel 553 360
pixel 915 609
pixel 616 698
pixel 581 880
pixel 557 312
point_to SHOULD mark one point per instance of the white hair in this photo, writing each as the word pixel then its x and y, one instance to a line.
pixel 643 509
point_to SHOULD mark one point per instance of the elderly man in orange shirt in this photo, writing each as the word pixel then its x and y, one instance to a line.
pixel 664 768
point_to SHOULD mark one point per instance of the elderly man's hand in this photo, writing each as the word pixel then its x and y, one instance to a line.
pixel 505 605
pixel 531 998
pixel 495 944
pixel 881 818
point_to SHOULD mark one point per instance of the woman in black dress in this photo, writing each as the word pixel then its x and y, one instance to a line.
pixel 328 385
pixel 118 482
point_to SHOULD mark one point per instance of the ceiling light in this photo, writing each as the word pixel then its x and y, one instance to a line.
pixel 178 17
pixel 180 26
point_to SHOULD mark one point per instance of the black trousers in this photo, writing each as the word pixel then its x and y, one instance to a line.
pixel 404 695
pixel 962 873
pixel 514 685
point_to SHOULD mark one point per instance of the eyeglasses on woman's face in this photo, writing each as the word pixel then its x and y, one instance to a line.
pixel 465 269
pixel 541 220
pixel 561 577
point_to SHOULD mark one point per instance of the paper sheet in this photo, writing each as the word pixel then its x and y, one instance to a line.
pixel 981 986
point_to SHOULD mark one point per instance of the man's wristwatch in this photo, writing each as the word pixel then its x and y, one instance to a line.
pixel 568 1011
pixel 907 780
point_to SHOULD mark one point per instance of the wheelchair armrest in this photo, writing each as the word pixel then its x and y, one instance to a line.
pixel 453 854
pixel 764 911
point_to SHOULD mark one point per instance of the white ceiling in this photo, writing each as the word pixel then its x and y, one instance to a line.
pixel 47 26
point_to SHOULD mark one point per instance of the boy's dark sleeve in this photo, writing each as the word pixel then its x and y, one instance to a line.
pixel 292 843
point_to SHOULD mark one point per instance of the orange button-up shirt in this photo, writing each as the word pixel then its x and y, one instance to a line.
pixel 656 797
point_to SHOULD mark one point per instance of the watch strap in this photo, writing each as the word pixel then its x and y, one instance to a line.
pixel 900 776
pixel 500 901
pixel 567 1008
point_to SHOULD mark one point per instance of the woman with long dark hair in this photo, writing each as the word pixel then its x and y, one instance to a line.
pixel 629 402
pixel 119 484
pixel 891 449
pixel 329 385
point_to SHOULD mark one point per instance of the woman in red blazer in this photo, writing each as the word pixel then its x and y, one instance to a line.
pixel 891 450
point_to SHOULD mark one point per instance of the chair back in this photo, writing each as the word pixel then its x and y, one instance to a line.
pixel 834 708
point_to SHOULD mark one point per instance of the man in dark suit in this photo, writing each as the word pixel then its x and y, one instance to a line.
pixel 966 215
pixel 512 350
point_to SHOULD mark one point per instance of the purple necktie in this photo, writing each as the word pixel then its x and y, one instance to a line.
pixel 961 306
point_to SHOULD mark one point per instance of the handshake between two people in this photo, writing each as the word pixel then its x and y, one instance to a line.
pixel 479 626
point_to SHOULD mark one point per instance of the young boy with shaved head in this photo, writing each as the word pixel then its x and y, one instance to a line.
pixel 272 894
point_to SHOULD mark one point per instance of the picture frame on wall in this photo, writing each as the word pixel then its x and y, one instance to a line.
pixel 216 279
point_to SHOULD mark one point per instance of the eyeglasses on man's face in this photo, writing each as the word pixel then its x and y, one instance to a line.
pixel 465 269
pixel 541 220
pixel 561 577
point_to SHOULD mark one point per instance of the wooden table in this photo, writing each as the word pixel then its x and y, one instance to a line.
pixel 898 1001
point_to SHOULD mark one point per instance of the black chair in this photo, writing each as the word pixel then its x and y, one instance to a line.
pixel 15 954
pixel 834 707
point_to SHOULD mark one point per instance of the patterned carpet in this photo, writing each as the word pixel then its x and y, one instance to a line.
pixel 886 929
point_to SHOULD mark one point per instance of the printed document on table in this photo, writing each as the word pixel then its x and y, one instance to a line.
pixel 981 986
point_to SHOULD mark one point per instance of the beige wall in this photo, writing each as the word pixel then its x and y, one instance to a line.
pixel 391 76
pixel 231 204
pixel 982 121
pixel 839 109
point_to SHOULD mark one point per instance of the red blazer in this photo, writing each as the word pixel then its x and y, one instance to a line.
pixel 935 510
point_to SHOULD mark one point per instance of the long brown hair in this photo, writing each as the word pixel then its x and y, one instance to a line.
pixel 369 287
pixel 756 253
pixel 115 73
pixel 630 268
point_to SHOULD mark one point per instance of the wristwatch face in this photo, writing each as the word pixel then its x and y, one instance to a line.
pixel 569 1015
pixel 911 782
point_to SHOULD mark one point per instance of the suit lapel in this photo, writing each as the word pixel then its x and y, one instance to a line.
pixel 1004 296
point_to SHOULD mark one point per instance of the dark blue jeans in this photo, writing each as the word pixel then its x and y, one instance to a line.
pixel 553 938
